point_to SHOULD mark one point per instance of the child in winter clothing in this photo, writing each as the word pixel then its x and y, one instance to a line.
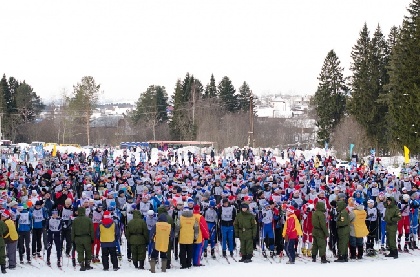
pixel 160 234
pixel 291 232
pixel 10 238
pixel 107 233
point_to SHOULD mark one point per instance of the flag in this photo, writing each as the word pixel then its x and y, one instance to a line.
pixel 351 149
pixel 54 152
pixel 326 146
pixel 406 155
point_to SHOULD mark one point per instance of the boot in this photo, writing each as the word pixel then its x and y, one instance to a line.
pixel 136 264
pixel 346 258
pixel 48 262
pixel 152 265
pixel 3 269
pixel 399 248
pixel 303 251
pixel 224 253
pixel 324 260
pixel 58 263
pixel 352 252
pixel 395 254
pixel 73 261
pixel 142 264
pixel 272 254
pixel 360 252
pixel 205 253
pixel 87 265
pixel 248 259
pixel 309 252
pixel 391 254
pixel 314 258
pixel 213 256
pixel 414 245
pixel 264 254
pixel 406 248
pixel 243 258
pixel 164 262
pixel 340 259
pixel 231 253
pixel 82 267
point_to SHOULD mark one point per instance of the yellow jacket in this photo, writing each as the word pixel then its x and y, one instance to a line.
pixel 360 228
pixel 12 235
pixel 163 231
pixel 186 231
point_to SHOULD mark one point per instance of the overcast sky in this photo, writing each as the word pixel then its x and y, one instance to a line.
pixel 276 46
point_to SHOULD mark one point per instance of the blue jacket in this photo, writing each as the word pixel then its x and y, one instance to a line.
pixel 24 221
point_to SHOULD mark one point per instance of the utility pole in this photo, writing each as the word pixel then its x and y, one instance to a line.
pixel 1 119
pixel 251 120
pixel 193 98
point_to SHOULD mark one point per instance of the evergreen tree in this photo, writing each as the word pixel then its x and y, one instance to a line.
pixel 244 98
pixel 211 89
pixel 226 93
pixel 330 98
pixel 151 107
pixel 28 103
pixel 367 83
pixel 4 92
pixel 404 86
pixel 185 99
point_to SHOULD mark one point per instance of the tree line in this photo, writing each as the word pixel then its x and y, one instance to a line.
pixel 381 97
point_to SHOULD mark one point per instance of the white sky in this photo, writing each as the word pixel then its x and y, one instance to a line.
pixel 276 46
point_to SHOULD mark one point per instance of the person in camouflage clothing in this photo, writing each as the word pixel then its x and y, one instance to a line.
pixel 138 238
pixel 82 235
pixel 343 231
pixel 392 216
pixel 245 228
pixel 319 233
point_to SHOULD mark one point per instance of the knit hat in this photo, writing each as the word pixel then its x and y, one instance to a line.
pixel 190 200
pixel 5 213
pixel 244 206
pixel 196 209
pixel 107 214
pixel 212 203
pixel 290 209
pixel 20 207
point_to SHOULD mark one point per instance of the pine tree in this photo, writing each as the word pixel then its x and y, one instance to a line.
pixel 28 103
pixel 330 98
pixel 226 93
pixel 244 98
pixel 370 60
pixel 404 86
pixel 211 89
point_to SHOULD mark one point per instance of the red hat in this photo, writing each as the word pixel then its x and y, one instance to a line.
pixel 231 198
pixel 196 209
pixel 107 214
pixel 291 209
pixel 5 213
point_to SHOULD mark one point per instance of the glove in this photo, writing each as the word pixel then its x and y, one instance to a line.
pixel 370 215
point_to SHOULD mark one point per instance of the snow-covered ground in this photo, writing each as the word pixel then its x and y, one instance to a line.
pixel 405 264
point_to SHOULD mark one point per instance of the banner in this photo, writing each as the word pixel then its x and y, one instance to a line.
pixel 406 155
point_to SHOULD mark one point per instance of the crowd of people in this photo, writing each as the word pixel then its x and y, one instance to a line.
pixel 186 210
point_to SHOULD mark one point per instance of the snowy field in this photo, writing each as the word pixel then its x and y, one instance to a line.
pixel 379 266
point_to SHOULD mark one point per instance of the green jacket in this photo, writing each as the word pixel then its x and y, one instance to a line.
pixel 392 214
pixel 162 210
pixel 137 232
pixel 343 219
pixel 3 231
pixel 319 222
pixel 82 226
pixel 245 226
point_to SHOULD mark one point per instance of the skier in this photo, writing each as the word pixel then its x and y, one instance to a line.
pixel 54 225
pixel 372 225
pixel 358 231
pixel 3 231
pixel 404 222
pixel 187 230
pixel 267 233
pixel 24 226
pixel 227 215
pixel 96 219
pixel 291 232
pixel 39 217
pixel 211 218
pixel 203 234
